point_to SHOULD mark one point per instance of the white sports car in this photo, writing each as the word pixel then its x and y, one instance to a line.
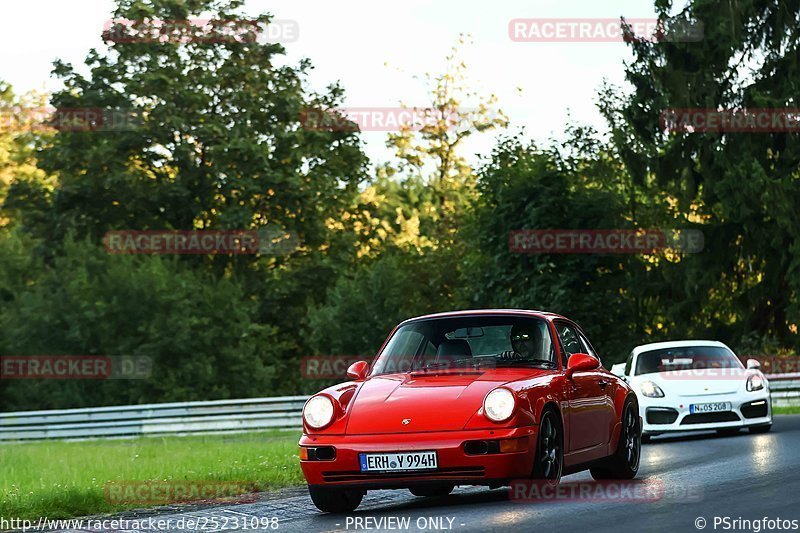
pixel 697 385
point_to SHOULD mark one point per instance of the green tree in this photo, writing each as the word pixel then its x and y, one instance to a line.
pixel 215 141
pixel 437 182
pixel 741 189
pixel 573 186
pixel 198 330
pixel 19 137
pixel 406 221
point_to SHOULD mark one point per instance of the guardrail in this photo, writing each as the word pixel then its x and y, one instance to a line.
pixel 212 416
pixel 785 389
pixel 154 419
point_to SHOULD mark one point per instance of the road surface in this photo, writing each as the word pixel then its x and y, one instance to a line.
pixel 690 481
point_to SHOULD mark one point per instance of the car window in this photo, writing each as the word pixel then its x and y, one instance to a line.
pixel 428 353
pixel 430 349
pixel 628 364
pixel 405 344
pixel 569 339
pixel 465 341
pixel 686 358
pixel 492 340
pixel 588 346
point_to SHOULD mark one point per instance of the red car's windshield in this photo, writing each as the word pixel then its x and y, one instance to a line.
pixel 466 341
pixel 686 358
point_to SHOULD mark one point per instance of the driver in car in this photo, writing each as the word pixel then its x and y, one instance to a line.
pixel 526 342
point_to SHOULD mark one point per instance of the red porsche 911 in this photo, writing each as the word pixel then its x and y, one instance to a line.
pixel 470 398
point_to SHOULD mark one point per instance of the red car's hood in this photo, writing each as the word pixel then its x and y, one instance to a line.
pixel 436 402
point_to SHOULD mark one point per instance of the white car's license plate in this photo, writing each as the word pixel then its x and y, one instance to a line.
pixel 397 462
pixel 709 407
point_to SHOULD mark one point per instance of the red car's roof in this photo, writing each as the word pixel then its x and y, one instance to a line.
pixel 476 312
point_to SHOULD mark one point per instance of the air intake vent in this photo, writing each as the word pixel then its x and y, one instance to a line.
pixel 710 418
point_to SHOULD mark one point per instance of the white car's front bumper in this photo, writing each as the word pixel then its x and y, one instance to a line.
pixel 662 415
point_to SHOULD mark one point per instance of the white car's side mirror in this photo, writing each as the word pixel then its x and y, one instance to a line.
pixel 753 363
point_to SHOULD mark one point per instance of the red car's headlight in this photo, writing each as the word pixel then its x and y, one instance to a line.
pixel 318 411
pixel 499 404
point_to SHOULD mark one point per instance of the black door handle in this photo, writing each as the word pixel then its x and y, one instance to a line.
pixel 602 383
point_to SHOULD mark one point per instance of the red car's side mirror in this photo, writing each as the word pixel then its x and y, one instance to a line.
pixel 581 362
pixel 358 371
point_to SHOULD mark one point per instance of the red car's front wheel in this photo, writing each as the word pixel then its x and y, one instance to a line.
pixel 549 450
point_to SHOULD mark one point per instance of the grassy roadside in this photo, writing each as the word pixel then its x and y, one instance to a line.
pixel 66 479
pixel 793 410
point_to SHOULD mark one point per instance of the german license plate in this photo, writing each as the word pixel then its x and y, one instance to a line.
pixel 397 462
pixel 709 407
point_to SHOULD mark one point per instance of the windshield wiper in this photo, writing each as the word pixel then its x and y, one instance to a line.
pixel 445 363
pixel 477 362
pixel 538 362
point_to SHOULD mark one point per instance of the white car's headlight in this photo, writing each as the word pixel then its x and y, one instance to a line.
pixel 755 382
pixel 499 404
pixel 651 390
pixel 318 411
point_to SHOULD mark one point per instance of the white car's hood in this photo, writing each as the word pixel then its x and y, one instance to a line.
pixel 699 382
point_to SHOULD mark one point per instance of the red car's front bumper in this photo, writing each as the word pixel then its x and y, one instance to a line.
pixel 455 465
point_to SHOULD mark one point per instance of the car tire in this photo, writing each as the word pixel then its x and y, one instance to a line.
pixel 646 438
pixel 728 432
pixel 335 500
pixel 429 491
pixel 624 464
pixel 760 429
pixel 549 457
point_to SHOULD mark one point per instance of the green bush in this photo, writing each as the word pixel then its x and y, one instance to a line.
pixel 198 330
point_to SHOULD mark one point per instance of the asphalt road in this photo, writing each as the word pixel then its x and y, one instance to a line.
pixel 687 477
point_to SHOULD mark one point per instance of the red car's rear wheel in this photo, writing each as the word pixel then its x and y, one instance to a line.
pixel 432 490
pixel 624 464
pixel 330 500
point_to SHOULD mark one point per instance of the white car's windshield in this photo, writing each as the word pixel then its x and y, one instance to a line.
pixel 685 358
